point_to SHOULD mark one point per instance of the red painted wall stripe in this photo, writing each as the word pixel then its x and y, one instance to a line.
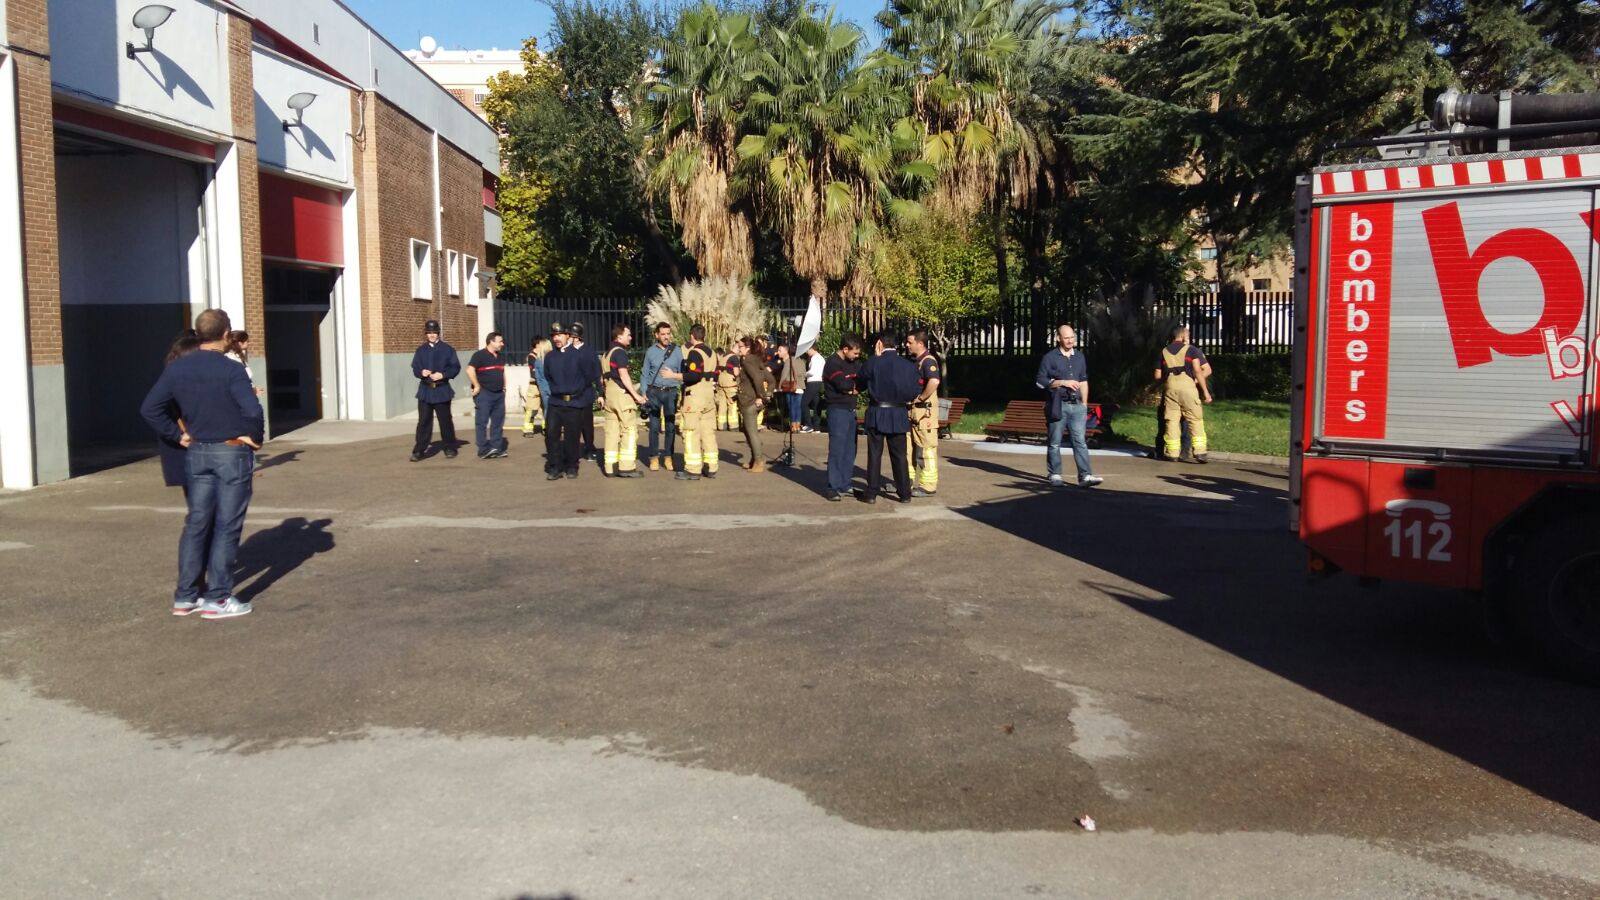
pixel 1573 167
pixel 133 131
pixel 301 221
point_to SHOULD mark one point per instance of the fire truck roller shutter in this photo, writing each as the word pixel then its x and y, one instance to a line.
pixel 1487 300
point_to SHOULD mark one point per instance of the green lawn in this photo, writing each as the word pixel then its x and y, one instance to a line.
pixel 1232 426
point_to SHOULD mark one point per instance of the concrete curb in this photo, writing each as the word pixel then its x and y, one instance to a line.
pixel 1255 458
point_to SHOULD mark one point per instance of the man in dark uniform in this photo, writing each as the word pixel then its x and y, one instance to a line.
pixel 840 388
pixel 572 373
pixel 434 364
pixel 892 381
pixel 587 448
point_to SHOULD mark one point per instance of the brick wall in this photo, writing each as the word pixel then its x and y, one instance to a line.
pixel 461 195
pixel 29 32
pixel 396 184
pixel 242 104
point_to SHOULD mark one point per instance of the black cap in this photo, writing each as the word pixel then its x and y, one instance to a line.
pixel 558 328
pixel 430 327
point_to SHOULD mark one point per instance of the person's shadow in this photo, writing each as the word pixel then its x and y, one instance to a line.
pixel 277 551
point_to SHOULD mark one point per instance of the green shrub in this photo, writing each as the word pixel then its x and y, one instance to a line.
pixel 1257 376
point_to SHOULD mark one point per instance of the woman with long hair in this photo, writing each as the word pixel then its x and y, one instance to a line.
pixel 172 454
pixel 239 351
pixel 755 392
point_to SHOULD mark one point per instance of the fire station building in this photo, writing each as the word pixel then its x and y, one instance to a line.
pixel 276 159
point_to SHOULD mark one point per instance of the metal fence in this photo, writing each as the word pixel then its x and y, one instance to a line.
pixel 1241 322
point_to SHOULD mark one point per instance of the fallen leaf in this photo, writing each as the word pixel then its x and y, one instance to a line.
pixel 1008 728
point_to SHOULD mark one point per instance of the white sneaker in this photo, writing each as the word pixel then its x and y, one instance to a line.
pixel 226 609
pixel 1090 481
pixel 1055 481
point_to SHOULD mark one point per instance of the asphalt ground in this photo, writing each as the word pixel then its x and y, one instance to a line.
pixel 460 679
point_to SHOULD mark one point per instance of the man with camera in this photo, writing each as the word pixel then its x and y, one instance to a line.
pixel 1064 375
pixel 663 373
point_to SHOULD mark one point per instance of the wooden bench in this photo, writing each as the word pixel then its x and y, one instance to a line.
pixel 1025 419
pixel 951 409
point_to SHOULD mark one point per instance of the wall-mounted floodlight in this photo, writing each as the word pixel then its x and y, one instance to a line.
pixel 148 19
pixel 298 103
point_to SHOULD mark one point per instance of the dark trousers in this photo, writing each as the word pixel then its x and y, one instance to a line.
pixel 841 447
pixel 217 486
pixel 426 413
pixel 663 415
pixel 897 463
pixel 561 437
pixel 586 430
pixel 488 420
pixel 811 405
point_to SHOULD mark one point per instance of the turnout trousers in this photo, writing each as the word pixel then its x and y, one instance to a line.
pixel 622 429
pixel 925 445
pixel 699 413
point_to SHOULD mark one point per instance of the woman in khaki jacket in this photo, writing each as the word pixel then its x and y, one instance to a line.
pixel 755 392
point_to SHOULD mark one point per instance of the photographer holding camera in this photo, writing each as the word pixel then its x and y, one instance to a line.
pixel 1064 373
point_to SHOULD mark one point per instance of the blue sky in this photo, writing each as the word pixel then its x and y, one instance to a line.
pixel 481 24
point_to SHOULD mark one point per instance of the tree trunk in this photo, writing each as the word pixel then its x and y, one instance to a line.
pixel 1038 236
pixel 660 247
pixel 819 290
pixel 1230 303
pixel 1002 275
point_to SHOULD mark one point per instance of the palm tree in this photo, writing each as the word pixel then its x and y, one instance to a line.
pixel 969 67
pixel 694 104
pixel 817 156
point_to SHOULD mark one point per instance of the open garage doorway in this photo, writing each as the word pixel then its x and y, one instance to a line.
pixel 133 275
pixel 301 343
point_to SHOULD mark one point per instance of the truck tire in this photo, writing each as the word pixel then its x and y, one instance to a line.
pixel 1555 595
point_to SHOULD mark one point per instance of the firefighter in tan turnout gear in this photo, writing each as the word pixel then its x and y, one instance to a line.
pixel 699 409
pixel 622 403
pixel 1183 384
pixel 727 391
pixel 924 417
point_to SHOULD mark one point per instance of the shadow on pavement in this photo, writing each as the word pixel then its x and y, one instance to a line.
pixel 1415 659
pixel 275 552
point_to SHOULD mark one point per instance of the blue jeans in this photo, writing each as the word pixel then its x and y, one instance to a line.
pixel 795 407
pixel 1073 418
pixel 660 411
pixel 841 447
pixel 488 420
pixel 217 486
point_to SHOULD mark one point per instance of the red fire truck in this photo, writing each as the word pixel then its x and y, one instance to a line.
pixel 1444 406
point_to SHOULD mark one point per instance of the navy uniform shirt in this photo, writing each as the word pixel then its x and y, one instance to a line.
pixel 699 364
pixel 491 369
pixel 572 373
pixel 892 381
pixel 841 381
pixel 440 357
pixel 927 370
pixel 616 363
pixel 213 395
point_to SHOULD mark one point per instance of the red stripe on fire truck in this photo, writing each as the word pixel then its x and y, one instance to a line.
pixel 1360 259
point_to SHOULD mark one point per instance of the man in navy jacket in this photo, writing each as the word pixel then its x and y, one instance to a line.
pixel 434 364
pixel 573 373
pixel 892 380
pixel 221 426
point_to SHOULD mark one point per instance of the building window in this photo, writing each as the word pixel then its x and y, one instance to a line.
pixel 316 33
pixel 479 96
pixel 421 270
pixel 1213 286
pixel 470 289
pixel 1260 284
pixel 452 259
pixel 1208 253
